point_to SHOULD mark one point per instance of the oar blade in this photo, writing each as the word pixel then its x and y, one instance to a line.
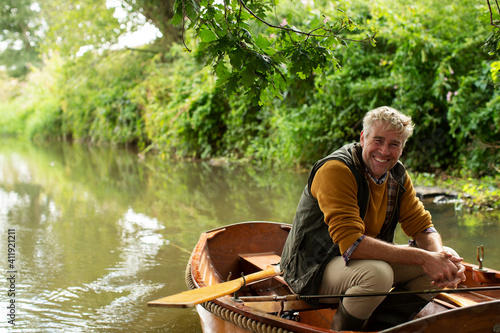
pixel 193 297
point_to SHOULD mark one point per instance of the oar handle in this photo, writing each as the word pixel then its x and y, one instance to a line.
pixel 261 275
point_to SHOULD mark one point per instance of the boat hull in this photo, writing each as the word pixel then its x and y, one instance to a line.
pixel 212 323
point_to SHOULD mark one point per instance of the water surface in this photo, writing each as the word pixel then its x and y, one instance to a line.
pixel 100 232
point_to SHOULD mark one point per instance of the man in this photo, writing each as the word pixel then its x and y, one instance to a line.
pixel 342 234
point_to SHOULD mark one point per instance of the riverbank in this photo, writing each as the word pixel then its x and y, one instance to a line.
pixel 466 192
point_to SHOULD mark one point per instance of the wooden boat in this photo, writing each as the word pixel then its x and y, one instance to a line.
pixel 230 252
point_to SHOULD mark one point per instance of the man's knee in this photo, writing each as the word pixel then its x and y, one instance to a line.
pixel 375 274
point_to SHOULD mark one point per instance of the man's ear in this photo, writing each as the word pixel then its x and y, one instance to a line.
pixel 362 139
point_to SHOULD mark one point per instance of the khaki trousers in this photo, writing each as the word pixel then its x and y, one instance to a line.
pixel 369 276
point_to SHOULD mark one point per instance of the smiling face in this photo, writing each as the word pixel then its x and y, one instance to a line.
pixel 382 149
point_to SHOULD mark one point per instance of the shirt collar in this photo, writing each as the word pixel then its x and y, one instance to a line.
pixel 378 181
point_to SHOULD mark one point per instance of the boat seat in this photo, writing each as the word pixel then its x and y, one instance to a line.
pixel 262 260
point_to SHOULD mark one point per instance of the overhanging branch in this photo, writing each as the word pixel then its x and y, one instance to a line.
pixel 308 34
pixel 492 22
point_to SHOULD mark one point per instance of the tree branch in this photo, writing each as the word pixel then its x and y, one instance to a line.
pixel 491 13
pixel 184 15
pixel 308 34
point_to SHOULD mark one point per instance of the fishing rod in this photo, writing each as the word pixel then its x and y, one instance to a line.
pixel 295 297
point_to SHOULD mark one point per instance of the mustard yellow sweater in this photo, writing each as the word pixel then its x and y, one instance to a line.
pixel 335 188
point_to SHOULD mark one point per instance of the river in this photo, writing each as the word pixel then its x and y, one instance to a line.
pixel 99 232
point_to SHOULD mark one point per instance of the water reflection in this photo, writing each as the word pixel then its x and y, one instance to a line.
pixel 100 233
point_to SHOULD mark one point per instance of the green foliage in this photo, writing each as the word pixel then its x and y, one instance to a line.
pixel 33 108
pixel 85 25
pixel 434 48
pixel 477 131
pixel 45 121
pixel 492 17
pixel 428 63
pixel 184 112
pixel 204 125
pixel 475 194
pixel 12 119
pixel 111 115
pixel 252 53
pixel 116 118
pixel 485 195
pixel 424 64
pixel 87 100
pixel 21 26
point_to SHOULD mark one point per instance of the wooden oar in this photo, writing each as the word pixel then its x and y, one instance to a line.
pixel 200 295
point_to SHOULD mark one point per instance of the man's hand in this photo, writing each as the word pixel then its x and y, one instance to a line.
pixel 445 270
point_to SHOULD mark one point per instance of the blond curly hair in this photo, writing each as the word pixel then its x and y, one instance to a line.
pixel 390 117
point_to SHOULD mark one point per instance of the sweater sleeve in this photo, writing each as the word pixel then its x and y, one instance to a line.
pixel 413 216
pixel 335 188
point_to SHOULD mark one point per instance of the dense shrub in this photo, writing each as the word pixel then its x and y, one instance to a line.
pixel 184 112
pixel 428 63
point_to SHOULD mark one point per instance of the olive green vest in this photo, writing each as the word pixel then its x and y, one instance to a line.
pixel 309 246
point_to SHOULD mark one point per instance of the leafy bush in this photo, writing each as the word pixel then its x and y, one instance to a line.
pixel 45 121
pixel 183 109
pixel 98 101
pixel 426 57
pixel 428 63
pixel 474 117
